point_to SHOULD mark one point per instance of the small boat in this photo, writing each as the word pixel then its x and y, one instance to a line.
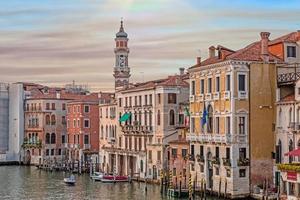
pixel 97 176
pixel 70 181
pixel 115 179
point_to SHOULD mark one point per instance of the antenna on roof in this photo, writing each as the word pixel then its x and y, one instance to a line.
pixel 199 52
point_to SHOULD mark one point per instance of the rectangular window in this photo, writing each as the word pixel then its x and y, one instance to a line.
pixel 242 153
pixel 227 153
pixel 140 100
pixel 63 120
pixel 209 85
pixel 217 152
pixel 135 101
pixel 228 125
pixel 86 123
pixel 159 98
pixel 126 101
pixel 47 152
pixel 242 126
pixel 202 86
pixel 74 123
pixel 47 106
pixel 228 82
pixel 78 123
pixel 242 173
pixel 63 106
pixel 86 109
pixel 193 88
pixel 242 82
pixel 120 102
pixel 86 139
pixel 174 152
pixel 150 99
pixel 181 119
pixel 63 139
pixel 217 87
pixel 291 51
pixel 192 150
pixel 53 106
pixel 172 98
pixel 130 101
pixel 201 150
pixel 146 100
pixel 183 152
pixel 217 125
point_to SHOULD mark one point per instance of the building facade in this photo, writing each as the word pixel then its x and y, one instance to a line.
pixel 232 115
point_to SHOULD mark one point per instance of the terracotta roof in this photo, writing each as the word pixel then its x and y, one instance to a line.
pixel 291 37
pixel 290 97
pixel 175 80
pixel 251 52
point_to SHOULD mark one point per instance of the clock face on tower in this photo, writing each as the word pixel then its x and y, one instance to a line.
pixel 122 61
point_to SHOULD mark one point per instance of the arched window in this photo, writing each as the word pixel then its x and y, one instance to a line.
pixel 53 138
pixel 210 119
pixel 47 119
pixel 47 138
pixel 53 121
pixel 290 149
pixel 279 118
pixel 150 118
pixel 29 137
pixel 172 118
pixel 145 118
pixel 140 117
pixel 142 165
pixel 158 117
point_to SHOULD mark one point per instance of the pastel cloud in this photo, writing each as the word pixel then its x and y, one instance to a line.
pixel 73 40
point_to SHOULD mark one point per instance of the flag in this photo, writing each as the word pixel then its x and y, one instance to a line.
pixel 125 117
pixel 186 111
pixel 204 116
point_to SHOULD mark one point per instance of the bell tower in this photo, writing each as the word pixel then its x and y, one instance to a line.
pixel 121 69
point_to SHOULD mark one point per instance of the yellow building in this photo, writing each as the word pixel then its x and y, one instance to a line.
pixel 232 96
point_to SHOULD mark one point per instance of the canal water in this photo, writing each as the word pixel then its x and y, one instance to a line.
pixel 20 182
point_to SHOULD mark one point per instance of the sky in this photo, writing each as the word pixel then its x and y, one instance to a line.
pixel 54 42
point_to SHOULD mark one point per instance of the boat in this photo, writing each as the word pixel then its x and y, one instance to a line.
pixel 115 179
pixel 70 180
pixel 97 176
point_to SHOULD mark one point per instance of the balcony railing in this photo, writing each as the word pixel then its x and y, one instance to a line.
pixel 86 146
pixel 294 167
pixel 191 157
pixel 200 158
pixel 242 95
pixel 216 96
pixel 243 162
pixel 226 95
pixel 215 161
pixel 226 162
pixel 294 126
pixel 218 138
pixel 208 96
pixel 192 98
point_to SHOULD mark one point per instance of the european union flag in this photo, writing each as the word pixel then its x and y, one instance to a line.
pixel 204 116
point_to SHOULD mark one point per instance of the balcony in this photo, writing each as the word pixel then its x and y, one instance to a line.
pixel 216 96
pixel 243 162
pixel 294 126
pixel 192 98
pixel 200 98
pixel 242 95
pixel 191 157
pixel 86 146
pixel 215 161
pixel 226 162
pixel 226 95
pixel 208 96
pixel 200 158
pixel 219 138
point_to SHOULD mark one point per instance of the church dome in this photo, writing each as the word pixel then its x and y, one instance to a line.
pixel 121 32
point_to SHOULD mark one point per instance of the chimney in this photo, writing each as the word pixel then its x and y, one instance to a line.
pixel 198 60
pixel 264 45
pixel 298 35
pixel 181 71
pixel 212 51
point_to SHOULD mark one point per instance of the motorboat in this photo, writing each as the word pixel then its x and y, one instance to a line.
pixel 97 176
pixel 115 179
pixel 70 180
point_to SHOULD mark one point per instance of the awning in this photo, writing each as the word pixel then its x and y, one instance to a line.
pixel 125 117
pixel 295 152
